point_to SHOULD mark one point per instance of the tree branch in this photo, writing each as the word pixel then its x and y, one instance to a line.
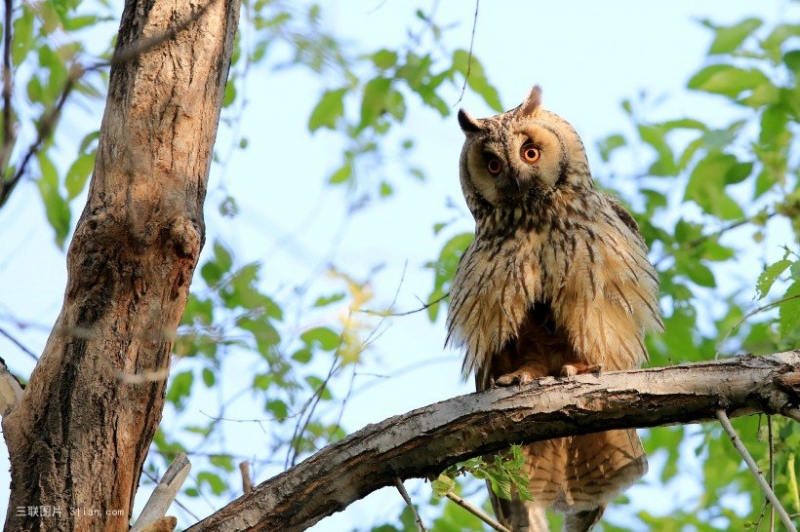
pixel 10 390
pixel 163 495
pixel 762 482
pixel 425 441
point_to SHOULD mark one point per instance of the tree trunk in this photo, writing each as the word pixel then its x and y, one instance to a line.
pixel 80 434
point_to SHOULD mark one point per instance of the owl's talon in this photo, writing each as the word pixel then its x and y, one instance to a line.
pixel 570 370
pixel 520 377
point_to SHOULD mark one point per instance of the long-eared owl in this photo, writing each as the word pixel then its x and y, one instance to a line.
pixel 557 282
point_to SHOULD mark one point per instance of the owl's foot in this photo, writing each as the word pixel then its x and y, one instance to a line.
pixel 520 377
pixel 570 370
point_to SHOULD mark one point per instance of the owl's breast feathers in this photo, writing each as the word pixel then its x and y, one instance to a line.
pixel 575 278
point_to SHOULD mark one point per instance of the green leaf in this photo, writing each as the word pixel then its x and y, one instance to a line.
pixel 707 182
pixel 180 389
pixel 442 485
pixel 665 162
pixel 469 67
pixel 278 408
pixel 325 338
pixel 56 207
pixel 209 378
pixel 384 59
pixel 792 60
pixel 344 173
pixel 319 386
pixel 374 102
pixel 699 273
pixel 230 92
pixel 198 310
pixel 222 461
pixel 609 144
pixel 769 276
pixel 687 231
pixel 445 268
pixel 264 333
pixel 223 256
pixel 88 140
pixel 328 110
pixel 303 356
pixel 213 481
pixel 22 40
pixel 727 80
pixel 78 173
pixel 789 315
pixel 211 273
pixel 323 301
pixel 779 35
pixel 728 38
pixel 263 381
pixel 80 22
pixel 773 123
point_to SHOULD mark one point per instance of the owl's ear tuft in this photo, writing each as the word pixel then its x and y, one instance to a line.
pixel 469 124
pixel 532 103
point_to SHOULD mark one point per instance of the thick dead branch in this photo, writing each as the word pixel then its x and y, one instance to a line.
pixel 423 442
pixel 10 390
pixel 161 498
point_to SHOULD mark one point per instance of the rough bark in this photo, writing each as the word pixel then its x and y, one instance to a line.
pixel 78 438
pixel 423 442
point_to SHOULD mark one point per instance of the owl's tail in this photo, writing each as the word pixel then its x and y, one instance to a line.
pixel 577 476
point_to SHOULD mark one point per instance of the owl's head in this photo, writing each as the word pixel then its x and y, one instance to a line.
pixel 520 157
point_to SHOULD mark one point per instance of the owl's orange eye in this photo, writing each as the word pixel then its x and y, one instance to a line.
pixel 530 153
pixel 494 166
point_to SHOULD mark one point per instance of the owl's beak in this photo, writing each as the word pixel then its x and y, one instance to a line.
pixel 517 182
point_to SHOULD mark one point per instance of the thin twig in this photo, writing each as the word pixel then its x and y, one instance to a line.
pixel 19 344
pixel 737 443
pixel 771 470
pixel 469 56
pixel 761 515
pixel 48 122
pixel 403 493
pixel 425 306
pixel 477 512
pixel 9 137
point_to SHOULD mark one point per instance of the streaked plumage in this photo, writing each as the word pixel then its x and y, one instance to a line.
pixel 556 282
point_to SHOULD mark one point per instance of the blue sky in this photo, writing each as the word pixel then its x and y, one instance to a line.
pixel 587 56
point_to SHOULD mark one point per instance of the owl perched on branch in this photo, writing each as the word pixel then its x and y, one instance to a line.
pixel 556 283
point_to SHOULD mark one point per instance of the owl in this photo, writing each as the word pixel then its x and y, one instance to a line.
pixel 556 282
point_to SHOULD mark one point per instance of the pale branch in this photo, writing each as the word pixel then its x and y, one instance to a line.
pixel 477 512
pixel 247 484
pixel 425 441
pixel 163 495
pixel 407 498
pixel 10 390
pixel 762 482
